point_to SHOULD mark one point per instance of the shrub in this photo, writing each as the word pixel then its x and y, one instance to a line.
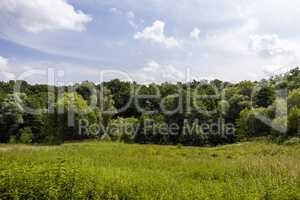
pixel 294 98
pixel 278 108
pixel 26 135
pixel 249 125
pixel 294 121
pixel 279 125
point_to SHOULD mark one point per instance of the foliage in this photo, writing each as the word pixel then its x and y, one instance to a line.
pixel 264 97
pixel 25 135
pixel 74 104
pixel 61 112
pixel 11 117
pixel 294 122
pixel 294 98
pixel 237 103
pixel 249 124
pixel 280 126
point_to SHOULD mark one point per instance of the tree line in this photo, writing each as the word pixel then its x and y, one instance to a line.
pixel 197 113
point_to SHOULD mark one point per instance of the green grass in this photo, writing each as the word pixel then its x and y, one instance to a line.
pixel 96 170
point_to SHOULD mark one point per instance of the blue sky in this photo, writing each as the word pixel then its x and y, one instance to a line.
pixel 149 40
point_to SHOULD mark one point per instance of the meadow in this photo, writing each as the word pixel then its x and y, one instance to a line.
pixel 109 170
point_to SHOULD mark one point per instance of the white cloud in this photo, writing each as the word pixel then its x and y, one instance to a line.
pixel 42 15
pixel 195 34
pixel 38 72
pixel 116 11
pixel 3 63
pixel 158 73
pixel 4 67
pixel 156 34
pixel 272 70
pixel 66 73
pixel 221 50
pixel 269 45
pixel 130 15
pixel 131 19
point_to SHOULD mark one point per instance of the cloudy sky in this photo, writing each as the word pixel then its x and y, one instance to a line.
pixel 147 40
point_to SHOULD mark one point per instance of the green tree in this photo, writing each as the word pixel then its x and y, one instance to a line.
pixel 106 104
pixel 264 97
pixel 33 118
pixel 294 98
pixel 237 103
pixel 245 88
pixel 72 109
pixel 11 117
pixel 87 90
pixel 293 78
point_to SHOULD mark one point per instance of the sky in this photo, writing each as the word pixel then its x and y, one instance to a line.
pixel 147 40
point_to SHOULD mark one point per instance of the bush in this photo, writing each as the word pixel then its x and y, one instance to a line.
pixel 279 125
pixel 278 108
pixel 26 135
pixel 294 98
pixel 294 121
pixel 249 125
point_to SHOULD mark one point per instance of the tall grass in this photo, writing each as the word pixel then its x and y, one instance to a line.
pixel 95 170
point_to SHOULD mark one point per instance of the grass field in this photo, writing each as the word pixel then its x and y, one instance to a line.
pixel 96 170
